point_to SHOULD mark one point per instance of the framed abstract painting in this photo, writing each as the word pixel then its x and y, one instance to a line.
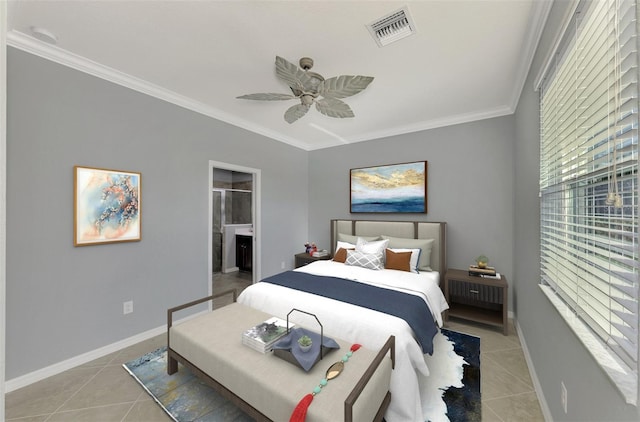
pixel 106 206
pixel 395 188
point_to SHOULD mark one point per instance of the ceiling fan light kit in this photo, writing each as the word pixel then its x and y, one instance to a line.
pixel 308 87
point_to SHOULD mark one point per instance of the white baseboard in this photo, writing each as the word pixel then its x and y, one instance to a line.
pixel 532 372
pixel 56 368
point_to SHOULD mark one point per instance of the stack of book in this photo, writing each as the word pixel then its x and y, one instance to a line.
pixel 486 271
pixel 263 336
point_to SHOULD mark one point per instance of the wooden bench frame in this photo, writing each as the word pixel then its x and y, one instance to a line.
pixel 173 358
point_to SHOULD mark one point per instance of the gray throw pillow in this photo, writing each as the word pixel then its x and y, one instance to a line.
pixel 365 260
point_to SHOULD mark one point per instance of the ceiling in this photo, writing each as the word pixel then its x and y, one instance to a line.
pixel 467 61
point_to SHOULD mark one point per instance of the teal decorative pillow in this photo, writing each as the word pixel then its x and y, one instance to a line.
pixel 425 245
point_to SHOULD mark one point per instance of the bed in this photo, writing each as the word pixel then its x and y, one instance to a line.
pixel 406 304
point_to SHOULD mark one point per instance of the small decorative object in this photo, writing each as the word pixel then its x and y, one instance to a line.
pixel 288 350
pixel 305 343
pixel 310 248
pixel 482 261
pixel 300 411
pixel 106 206
pixel 481 268
pixel 396 188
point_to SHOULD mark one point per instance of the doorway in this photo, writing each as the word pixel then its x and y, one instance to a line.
pixel 232 221
pixel 234 209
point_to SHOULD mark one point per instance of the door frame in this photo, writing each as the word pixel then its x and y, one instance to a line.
pixel 3 196
pixel 255 216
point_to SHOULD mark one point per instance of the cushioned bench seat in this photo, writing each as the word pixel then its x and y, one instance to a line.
pixel 266 386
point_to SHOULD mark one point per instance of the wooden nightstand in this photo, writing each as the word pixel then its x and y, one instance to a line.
pixel 305 258
pixel 476 298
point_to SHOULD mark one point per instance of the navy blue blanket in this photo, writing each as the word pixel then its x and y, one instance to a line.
pixel 411 308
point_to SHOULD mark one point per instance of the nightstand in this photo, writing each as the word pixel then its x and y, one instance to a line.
pixel 304 259
pixel 479 299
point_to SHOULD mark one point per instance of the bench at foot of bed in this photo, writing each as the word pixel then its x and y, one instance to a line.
pixel 267 387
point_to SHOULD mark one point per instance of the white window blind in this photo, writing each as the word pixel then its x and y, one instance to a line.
pixel 589 174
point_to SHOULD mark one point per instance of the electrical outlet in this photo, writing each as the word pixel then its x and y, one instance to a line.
pixel 127 307
pixel 282 265
pixel 563 396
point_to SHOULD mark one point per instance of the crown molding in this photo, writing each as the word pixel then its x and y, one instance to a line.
pixel 422 126
pixel 58 55
pixel 539 14
pixel 55 54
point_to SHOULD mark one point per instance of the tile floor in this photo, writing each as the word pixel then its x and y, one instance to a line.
pixel 506 387
pixel 102 390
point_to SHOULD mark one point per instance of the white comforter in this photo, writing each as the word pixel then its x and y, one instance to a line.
pixel 367 327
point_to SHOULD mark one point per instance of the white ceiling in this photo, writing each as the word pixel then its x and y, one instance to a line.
pixel 467 61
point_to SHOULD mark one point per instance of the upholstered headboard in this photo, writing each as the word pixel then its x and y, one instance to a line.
pixel 405 229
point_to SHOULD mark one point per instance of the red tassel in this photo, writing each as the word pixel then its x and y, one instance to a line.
pixel 300 412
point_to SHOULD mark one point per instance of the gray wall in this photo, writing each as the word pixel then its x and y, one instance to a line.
pixel 557 354
pixel 470 186
pixel 63 301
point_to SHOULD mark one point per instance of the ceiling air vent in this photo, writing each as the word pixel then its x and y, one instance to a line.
pixel 393 27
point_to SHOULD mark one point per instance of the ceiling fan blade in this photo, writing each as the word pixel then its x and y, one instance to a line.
pixel 334 108
pixel 296 78
pixel 268 96
pixel 295 112
pixel 343 86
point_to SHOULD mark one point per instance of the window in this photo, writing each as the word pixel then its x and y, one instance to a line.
pixel 589 176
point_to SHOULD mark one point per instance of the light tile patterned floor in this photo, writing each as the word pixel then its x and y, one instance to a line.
pixel 102 390
pixel 507 390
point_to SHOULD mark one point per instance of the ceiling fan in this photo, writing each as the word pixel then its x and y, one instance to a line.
pixel 308 87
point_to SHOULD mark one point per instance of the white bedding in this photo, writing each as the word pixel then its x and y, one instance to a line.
pixel 425 284
pixel 367 327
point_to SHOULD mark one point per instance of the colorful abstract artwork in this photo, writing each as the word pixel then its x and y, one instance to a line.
pixel 396 188
pixel 106 206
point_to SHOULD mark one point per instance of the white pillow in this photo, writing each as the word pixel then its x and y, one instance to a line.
pixel 425 246
pixel 415 258
pixel 344 245
pixel 376 247
pixel 364 260
pixel 353 239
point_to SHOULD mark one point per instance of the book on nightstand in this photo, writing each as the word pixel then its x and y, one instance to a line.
pixel 477 271
pixel 263 336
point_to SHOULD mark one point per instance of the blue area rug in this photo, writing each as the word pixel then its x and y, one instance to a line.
pixel 186 398
pixel 464 404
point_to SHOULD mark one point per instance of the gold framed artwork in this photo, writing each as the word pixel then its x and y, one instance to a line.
pixel 106 206
pixel 394 188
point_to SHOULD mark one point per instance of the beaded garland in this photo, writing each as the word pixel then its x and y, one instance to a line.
pixel 300 412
